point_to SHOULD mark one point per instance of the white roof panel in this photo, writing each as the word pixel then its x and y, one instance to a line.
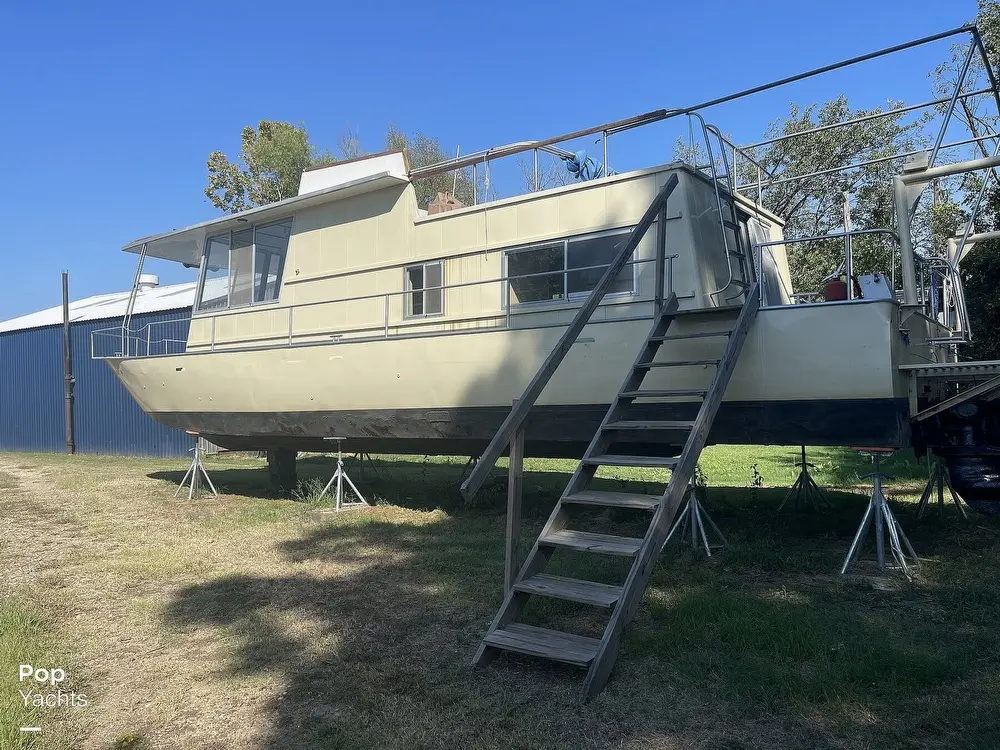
pixel 156 299
pixel 186 245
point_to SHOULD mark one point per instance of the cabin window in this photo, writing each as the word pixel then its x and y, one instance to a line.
pixel 244 267
pixel 566 269
pixel 423 285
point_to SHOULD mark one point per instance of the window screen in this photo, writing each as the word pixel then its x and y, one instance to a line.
pixel 244 267
pixel 270 246
pixel 423 284
pixel 215 274
pixel 596 251
pixel 241 268
pixel 536 274
pixel 546 272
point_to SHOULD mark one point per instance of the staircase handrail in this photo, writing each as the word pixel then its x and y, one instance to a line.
pixel 527 400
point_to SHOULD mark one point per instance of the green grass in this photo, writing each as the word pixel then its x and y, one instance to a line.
pixel 356 630
pixel 23 640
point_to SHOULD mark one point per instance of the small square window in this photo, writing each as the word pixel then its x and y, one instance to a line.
pixel 423 284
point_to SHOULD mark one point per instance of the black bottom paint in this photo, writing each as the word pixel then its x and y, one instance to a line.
pixel 550 431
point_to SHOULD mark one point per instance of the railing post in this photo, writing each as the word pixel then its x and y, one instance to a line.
pixel 211 343
pixel 605 139
pixel 661 251
pixel 515 475
pixel 534 153
pixel 507 300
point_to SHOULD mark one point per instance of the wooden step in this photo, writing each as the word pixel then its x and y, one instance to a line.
pixel 698 335
pixel 548 644
pixel 648 424
pixel 586 541
pixel 677 392
pixel 709 311
pixel 570 589
pixel 677 363
pixel 613 499
pixel 609 459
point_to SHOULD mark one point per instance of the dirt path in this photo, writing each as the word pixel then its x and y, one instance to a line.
pixel 103 571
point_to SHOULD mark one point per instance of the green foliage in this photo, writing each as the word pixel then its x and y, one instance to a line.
pixel 815 206
pixel 273 158
pixel 421 151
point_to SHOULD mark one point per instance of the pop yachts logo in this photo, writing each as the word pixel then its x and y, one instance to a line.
pixel 51 678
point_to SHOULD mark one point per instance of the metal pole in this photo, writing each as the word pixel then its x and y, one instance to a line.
pixel 534 153
pixel 67 367
pixel 909 271
pixel 606 170
pixel 951 104
pixel 515 476
pixel 661 251
pixel 848 254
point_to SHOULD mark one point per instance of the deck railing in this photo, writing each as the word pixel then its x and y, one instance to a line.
pixel 388 318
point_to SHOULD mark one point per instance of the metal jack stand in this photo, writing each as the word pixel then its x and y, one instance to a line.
pixel 194 474
pixel 340 476
pixel 692 519
pixel 805 493
pixel 938 481
pixel 886 525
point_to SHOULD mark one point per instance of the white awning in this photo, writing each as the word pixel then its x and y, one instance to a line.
pixel 186 245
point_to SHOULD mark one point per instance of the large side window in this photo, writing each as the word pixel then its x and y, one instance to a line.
pixel 423 285
pixel 537 273
pixel 566 269
pixel 270 246
pixel 244 267
pixel 215 274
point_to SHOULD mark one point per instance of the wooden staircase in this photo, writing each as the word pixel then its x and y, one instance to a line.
pixel 598 654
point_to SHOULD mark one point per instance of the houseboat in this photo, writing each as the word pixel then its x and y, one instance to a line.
pixel 352 310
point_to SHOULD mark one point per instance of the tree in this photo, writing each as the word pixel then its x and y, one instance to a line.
pixel 423 150
pixel 814 206
pixel 273 158
pixel 980 267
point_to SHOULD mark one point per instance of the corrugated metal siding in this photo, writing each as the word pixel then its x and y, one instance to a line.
pixel 31 391
pixel 107 419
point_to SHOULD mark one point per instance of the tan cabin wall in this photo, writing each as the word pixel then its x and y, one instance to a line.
pixel 359 246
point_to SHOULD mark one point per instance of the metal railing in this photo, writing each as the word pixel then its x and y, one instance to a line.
pixel 388 318
pixel 155 339
pixel 846 265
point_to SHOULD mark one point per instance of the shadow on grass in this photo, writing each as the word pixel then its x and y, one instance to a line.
pixel 759 646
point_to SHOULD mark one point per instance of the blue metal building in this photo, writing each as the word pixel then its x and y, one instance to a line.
pixel 107 420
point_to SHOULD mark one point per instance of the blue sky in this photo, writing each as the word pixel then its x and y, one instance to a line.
pixel 111 109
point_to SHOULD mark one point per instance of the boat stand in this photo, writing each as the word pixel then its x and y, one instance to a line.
pixel 805 494
pixel 691 523
pixel 886 526
pixel 192 477
pixel 938 480
pixel 340 476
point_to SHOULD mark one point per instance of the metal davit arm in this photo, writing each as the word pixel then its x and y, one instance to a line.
pixel 514 420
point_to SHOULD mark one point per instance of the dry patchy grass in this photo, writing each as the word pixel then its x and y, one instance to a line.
pixel 248 621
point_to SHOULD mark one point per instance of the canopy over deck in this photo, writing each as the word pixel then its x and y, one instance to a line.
pixel 187 245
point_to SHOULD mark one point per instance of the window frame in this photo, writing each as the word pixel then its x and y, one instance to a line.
pixel 568 296
pixel 197 309
pixel 408 313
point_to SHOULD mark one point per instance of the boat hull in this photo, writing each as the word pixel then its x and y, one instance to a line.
pixel 808 374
